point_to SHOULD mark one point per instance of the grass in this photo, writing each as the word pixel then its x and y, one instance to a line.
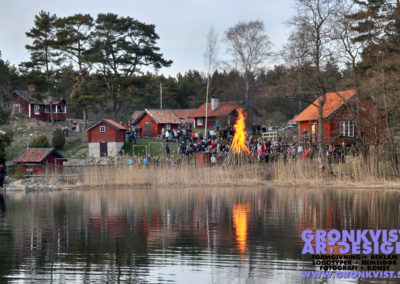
pixel 155 147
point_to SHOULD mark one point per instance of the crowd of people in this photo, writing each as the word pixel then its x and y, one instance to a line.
pixel 218 141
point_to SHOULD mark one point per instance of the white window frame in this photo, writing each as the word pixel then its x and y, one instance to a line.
pixel 16 108
pixel 102 128
pixel 36 109
pixel 199 121
pixel 346 128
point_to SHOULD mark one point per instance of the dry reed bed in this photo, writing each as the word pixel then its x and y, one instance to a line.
pixel 356 172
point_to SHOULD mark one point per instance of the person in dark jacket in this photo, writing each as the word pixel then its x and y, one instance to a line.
pixel 2 173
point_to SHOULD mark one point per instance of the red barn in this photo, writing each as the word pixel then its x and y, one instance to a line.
pixel 152 121
pixel 24 102
pixel 224 112
pixel 106 138
pixel 339 114
pixel 34 160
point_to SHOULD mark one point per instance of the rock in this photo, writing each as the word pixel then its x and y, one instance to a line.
pixel 9 180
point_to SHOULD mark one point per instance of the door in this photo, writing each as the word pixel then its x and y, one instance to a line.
pixel 147 129
pixel 103 149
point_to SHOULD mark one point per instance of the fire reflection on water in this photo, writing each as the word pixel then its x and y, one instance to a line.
pixel 240 215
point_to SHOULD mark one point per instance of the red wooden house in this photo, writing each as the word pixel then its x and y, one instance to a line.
pixel 224 112
pixel 339 114
pixel 152 121
pixel 106 138
pixel 34 160
pixel 24 102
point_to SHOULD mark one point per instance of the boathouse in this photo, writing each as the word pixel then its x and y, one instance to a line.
pixel 34 160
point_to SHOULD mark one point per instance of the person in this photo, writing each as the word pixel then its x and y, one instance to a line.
pixel 213 160
pixel 217 125
pixel 145 161
pixel 2 173
pixel 2 203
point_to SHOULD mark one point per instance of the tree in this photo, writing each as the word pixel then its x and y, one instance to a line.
pixel 40 142
pixel 124 46
pixel 210 61
pixel 5 138
pixel 58 139
pixel 314 23
pixel 42 49
pixel 250 47
pixel 75 45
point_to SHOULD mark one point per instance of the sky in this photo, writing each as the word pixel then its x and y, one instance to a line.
pixel 181 24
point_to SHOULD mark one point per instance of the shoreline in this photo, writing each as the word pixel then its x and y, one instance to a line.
pixel 391 186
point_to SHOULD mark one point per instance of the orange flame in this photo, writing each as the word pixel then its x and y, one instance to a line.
pixel 238 142
pixel 239 214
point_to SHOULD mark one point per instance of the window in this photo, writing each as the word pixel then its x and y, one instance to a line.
pixel 346 128
pixel 200 121
pixel 16 108
pixel 102 128
pixel 168 126
pixel 60 109
pixel 36 109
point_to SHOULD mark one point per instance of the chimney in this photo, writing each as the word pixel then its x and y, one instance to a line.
pixel 31 88
pixel 214 103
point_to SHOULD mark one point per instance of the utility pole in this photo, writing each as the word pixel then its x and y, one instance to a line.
pixel 51 109
pixel 160 95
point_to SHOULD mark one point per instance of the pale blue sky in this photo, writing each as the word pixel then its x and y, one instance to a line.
pixel 181 24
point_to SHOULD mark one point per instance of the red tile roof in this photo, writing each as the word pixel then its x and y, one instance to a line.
pixel 185 113
pixel 115 124
pixel 110 122
pixel 332 103
pixel 172 116
pixel 163 116
pixel 136 116
pixel 35 155
pixel 222 110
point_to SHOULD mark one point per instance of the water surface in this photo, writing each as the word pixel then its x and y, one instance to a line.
pixel 162 235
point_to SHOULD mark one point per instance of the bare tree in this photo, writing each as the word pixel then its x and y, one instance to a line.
pixel 210 58
pixel 314 21
pixel 250 47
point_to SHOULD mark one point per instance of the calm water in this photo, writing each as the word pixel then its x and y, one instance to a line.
pixel 176 236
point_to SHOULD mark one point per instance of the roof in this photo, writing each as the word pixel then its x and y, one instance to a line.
pixel 170 116
pixel 224 108
pixel 35 155
pixel 136 116
pixel 27 96
pixel 163 116
pixel 333 101
pixel 109 122
pixel 185 113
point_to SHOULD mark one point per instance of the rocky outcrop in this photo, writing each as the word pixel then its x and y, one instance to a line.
pixel 32 184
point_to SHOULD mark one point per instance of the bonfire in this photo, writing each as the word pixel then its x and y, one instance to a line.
pixel 239 153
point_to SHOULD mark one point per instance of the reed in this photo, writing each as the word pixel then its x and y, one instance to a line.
pixel 373 171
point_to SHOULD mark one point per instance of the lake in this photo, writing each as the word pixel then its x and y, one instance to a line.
pixel 219 235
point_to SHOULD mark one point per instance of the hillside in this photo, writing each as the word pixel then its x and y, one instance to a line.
pixel 25 130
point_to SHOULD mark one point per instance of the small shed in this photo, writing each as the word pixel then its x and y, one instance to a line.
pixel 106 138
pixel 34 160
